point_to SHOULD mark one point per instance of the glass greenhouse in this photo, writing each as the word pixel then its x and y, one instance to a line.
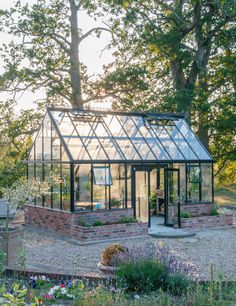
pixel 151 163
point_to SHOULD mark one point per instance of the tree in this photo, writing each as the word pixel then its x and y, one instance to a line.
pixel 47 55
pixel 180 45
pixel 15 140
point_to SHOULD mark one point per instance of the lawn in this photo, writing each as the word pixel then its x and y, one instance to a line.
pixel 226 195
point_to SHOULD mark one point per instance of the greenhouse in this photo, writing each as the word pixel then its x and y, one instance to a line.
pixel 148 163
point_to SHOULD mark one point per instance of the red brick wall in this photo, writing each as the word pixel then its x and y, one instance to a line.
pixel 207 221
pixel 112 215
pixel 197 209
pixel 67 223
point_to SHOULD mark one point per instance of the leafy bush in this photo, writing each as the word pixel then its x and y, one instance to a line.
pixel 142 276
pixel 152 251
pixel 98 223
pixel 178 283
pixel 127 220
pixel 214 211
pixel 110 251
pixel 115 203
pixel 2 261
pixel 185 214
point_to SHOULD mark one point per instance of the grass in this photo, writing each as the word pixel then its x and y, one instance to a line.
pixel 226 195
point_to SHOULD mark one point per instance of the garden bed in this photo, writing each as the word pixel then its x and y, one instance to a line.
pixel 207 221
pixel 112 231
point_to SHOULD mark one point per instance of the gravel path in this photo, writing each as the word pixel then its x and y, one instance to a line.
pixel 52 254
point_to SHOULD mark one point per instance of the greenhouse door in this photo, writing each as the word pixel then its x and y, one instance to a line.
pixel 172 197
pixel 142 180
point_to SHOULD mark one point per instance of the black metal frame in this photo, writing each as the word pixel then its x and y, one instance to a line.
pixel 140 162
pixel 166 173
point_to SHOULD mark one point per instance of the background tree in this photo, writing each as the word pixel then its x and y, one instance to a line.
pixel 15 140
pixel 180 51
pixel 48 54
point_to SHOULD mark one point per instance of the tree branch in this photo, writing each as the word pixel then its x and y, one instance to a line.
pixel 91 31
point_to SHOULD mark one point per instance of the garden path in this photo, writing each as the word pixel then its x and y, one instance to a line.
pixel 49 253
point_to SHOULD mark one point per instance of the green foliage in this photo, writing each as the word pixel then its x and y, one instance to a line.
pixel 98 223
pixel 185 214
pixel 15 141
pixel 178 65
pixel 142 276
pixel 179 284
pixel 115 203
pixel 214 211
pixel 2 261
pixel 153 198
pixel 128 220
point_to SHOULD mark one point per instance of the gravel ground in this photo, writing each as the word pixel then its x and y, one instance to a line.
pixel 52 254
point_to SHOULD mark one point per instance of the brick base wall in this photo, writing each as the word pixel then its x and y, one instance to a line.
pixel 197 209
pixel 207 221
pixel 67 223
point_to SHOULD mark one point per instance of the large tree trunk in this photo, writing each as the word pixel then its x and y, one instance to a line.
pixel 75 77
pixel 203 131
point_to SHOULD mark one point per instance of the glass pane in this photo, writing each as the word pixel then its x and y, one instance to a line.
pixel 172 197
pixel 108 143
pixel 47 138
pixel 31 155
pixel 30 170
pixel 193 183
pixel 38 146
pixel 151 139
pixel 118 186
pixel 47 174
pixel 102 175
pixel 39 176
pixel 161 191
pixel 182 173
pixel 65 187
pixel 181 143
pixel 129 203
pixel 56 188
pixel 76 148
pixel 206 171
pixel 141 199
pixel 191 139
pixel 55 145
pixel 82 187
pixel 167 142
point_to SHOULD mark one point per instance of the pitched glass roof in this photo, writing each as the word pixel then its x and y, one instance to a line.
pixel 112 136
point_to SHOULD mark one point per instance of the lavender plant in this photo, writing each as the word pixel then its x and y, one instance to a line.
pixel 152 251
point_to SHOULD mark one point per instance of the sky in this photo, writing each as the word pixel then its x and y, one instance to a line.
pixel 90 52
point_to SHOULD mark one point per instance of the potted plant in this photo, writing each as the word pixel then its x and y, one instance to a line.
pixel 20 193
pixel 106 265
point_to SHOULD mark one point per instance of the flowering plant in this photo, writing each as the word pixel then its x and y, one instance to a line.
pixel 22 192
pixel 152 251
pixel 60 292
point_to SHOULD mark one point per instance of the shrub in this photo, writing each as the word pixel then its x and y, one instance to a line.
pixel 178 284
pixel 98 223
pixel 110 251
pixel 115 203
pixel 2 261
pixel 127 220
pixel 151 251
pixel 185 214
pixel 214 211
pixel 142 276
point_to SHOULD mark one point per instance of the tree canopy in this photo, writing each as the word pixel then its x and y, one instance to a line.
pixel 170 56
